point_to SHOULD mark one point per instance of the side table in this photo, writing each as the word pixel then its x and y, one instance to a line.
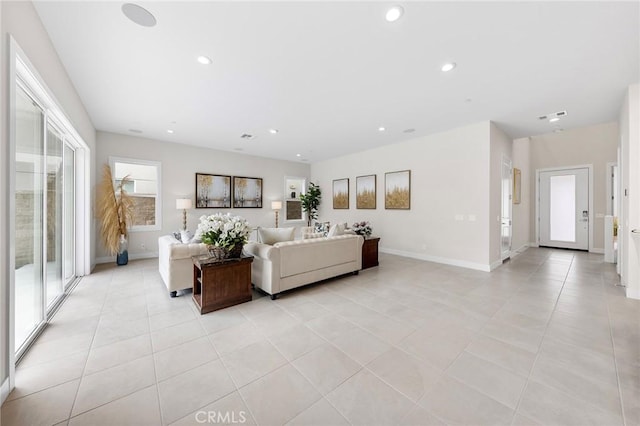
pixel 370 252
pixel 218 284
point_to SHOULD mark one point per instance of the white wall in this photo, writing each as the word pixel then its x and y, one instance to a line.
pixel 449 179
pixel 630 188
pixel 501 146
pixel 20 20
pixel 522 212
pixel 180 163
pixel 595 145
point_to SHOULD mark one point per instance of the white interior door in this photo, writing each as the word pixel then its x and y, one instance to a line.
pixel 505 228
pixel 564 208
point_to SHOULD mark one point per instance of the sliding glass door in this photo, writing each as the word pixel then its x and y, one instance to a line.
pixel 44 217
pixel 29 131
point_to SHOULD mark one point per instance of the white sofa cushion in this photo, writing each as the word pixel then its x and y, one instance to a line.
pixel 275 235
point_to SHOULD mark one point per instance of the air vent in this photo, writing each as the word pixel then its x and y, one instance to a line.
pixel 246 136
pixel 552 115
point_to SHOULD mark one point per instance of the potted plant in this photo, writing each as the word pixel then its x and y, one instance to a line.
pixel 224 235
pixel 311 201
pixel 115 210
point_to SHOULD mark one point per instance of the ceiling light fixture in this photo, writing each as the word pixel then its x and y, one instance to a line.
pixel 170 131
pixel 381 129
pixel 554 119
pixel 448 66
pixel 394 13
pixel 204 60
pixel 139 15
pixel 298 155
pixel 273 131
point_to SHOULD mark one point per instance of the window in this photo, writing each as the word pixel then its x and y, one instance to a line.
pixel 144 189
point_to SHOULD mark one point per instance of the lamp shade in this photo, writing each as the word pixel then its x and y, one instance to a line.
pixel 183 203
pixel 276 205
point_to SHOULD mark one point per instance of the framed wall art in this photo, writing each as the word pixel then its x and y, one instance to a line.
pixel 366 192
pixel 341 194
pixel 247 192
pixel 397 190
pixel 517 185
pixel 213 191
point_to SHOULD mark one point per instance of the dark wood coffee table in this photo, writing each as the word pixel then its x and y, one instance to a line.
pixel 218 284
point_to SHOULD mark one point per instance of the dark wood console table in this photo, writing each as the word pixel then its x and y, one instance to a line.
pixel 218 284
pixel 370 252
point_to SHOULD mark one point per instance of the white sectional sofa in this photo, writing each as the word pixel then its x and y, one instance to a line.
pixel 175 264
pixel 287 265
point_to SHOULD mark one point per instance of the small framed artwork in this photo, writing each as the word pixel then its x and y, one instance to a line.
pixel 397 190
pixel 247 192
pixel 213 191
pixel 341 194
pixel 366 192
pixel 294 210
pixel 517 179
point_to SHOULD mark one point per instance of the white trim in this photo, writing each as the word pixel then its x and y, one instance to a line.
pixel 497 264
pixel 132 256
pixel 633 293
pixel 158 196
pixel 520 249
pixel 596 250
pixel 436 259
pixel 609 186
pixel 4 390
pixel 537 199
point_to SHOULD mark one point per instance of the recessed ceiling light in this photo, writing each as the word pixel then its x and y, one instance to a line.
pixel 394 13
pixel 448 66
pixel 554 119
pixel 381 129
pixel 298 155
pixel 204 60
pixel 169 131
pixel 273 131
pixel 409 130
pixel 138 14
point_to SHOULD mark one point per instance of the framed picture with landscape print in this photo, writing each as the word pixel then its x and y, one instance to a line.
pixel 397 190
pixel 247 192
pixel 213 191
pixel 341 194
pixel 366 192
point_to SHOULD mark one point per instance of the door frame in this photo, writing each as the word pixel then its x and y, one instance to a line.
pixel 591 215
pixel 506 160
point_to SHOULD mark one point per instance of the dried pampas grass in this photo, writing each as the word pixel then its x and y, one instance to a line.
pixel 114 209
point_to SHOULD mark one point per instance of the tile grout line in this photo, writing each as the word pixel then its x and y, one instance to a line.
pixel 615 364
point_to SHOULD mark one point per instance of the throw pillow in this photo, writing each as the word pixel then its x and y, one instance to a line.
pixel 185 237
pixel 337 229
pixel 177 236
pixel 275 235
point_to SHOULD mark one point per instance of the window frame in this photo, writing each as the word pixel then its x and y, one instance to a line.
pixel 158 165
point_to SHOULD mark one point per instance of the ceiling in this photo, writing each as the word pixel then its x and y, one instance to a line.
pixel 327 75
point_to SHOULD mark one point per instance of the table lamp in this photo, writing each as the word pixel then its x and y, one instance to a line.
pixel 276 206
pixel 183 204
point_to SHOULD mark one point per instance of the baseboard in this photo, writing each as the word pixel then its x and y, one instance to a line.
pixel 132 256
pixel 495 265
pixel 596 250
pixel 4 390
pixel 520 249
pixel 533 244
pixel 436 259
pixel 633 293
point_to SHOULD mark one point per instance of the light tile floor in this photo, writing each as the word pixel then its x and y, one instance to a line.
pixel 545 339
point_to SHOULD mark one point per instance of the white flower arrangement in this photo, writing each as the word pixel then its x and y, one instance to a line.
pixel 223 230
pixel 362 228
